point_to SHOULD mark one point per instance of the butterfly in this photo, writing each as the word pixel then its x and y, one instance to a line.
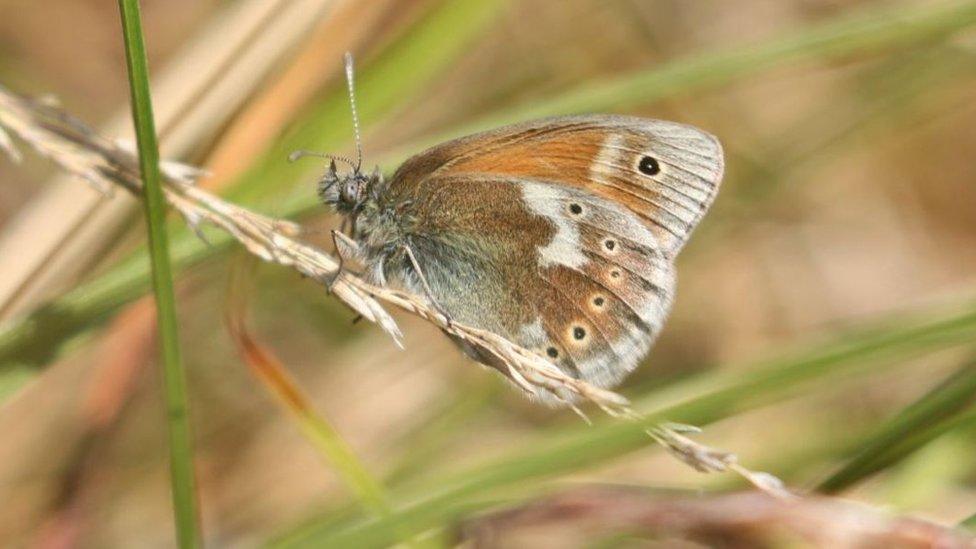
pixel 559 234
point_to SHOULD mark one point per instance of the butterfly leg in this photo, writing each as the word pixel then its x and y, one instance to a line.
pixel 343 244
pixel 423 281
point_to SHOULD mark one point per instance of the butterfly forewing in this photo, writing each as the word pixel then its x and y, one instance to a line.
pixel 560 234
pixel 666 173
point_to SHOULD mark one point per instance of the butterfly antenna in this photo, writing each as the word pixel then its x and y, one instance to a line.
pixel 303 153
pixel 355 114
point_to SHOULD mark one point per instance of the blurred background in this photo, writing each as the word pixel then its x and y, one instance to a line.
pixel 829 291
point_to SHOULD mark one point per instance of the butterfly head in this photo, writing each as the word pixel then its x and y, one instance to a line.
pixel 348 192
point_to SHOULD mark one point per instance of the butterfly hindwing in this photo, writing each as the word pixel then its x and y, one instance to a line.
pixel 568 274
pixel 605 273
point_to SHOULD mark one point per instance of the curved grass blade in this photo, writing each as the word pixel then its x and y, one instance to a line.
pixel 275 377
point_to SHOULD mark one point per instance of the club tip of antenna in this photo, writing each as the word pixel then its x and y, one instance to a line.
pixel 295 155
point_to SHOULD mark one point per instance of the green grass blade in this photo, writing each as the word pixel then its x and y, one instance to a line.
pixel 181 453
pixel 915 426
pixel 431 505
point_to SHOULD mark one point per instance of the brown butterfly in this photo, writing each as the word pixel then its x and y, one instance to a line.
pixel 559 234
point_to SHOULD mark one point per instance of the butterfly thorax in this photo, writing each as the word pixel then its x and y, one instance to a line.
pixel 368 219
pixel 378 228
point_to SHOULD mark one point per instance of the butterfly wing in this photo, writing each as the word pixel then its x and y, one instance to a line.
pixel 666 173
pixel 550 234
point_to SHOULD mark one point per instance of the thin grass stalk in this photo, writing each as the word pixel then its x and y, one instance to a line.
pixel 908 431
pixel 180 445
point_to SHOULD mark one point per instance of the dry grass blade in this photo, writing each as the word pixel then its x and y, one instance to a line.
pixel 103 163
